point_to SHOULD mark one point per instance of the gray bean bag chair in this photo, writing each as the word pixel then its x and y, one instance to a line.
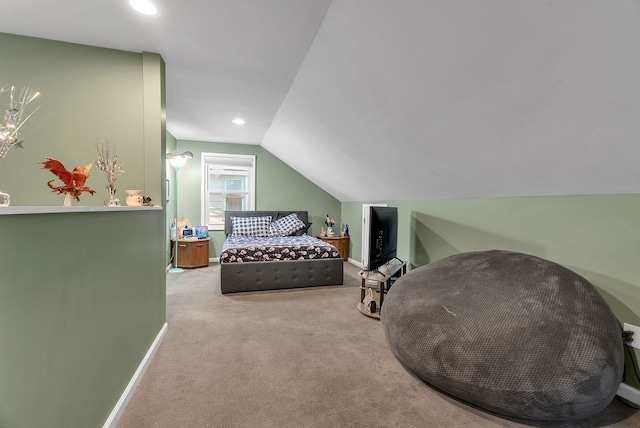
pixel 511 333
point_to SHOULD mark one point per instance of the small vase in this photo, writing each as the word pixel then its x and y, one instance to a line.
pixel 112 201
pixel 134 198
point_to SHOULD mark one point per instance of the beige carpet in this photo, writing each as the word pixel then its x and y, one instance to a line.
pixel 294 358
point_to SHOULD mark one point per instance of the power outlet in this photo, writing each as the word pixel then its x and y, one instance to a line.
pixel 636 335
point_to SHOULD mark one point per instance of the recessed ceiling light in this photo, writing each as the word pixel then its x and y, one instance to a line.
pixel 238 121
pixel 144 6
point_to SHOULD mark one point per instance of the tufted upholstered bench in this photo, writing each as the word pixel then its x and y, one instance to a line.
pixel 237 277
pixel 508 332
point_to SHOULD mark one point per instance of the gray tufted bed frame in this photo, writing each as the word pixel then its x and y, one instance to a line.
pixel 275 275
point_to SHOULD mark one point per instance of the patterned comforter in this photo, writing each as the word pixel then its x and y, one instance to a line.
pixel 242 249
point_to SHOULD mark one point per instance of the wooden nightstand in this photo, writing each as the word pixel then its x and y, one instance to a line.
pixel 193 253
pixel 340 242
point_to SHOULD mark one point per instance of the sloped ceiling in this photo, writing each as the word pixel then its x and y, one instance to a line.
pixel 441 99
pixel 224 58
pixel 384 100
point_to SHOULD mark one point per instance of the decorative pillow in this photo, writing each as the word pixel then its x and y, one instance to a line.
pixel 288 224
pixel 250 226
pixel 303 230
pixel 273 230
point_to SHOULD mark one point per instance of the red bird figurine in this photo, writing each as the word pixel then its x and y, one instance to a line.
pixel 73 181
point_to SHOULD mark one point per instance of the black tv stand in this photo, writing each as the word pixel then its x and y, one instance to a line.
pixel 380 281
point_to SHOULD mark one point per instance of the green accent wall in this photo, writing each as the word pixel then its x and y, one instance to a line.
pixel 82 294
pixel 278 187
pixel 87 94
pixel 170 186
pixel 81 300
pixel 597 236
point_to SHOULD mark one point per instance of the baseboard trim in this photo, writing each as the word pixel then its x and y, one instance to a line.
pixel 118 410
pixel 355 262
pixel 629 393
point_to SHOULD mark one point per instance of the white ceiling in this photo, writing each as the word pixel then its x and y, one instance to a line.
pixel 224 58
pixel 433 98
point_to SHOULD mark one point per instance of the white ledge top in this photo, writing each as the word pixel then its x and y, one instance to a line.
pixel 72 209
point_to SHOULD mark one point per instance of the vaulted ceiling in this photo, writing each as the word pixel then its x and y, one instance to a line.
pixel 385 100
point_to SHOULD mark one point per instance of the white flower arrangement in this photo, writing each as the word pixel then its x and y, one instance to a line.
pixel 108 162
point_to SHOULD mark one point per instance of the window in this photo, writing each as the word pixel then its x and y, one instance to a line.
pixel 228 183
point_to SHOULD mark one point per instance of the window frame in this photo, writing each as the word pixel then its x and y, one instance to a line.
pixel 208 159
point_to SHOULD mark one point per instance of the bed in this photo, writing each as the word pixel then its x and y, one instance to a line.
pixel 273 262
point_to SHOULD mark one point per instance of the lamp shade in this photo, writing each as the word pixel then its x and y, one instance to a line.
pixel 178 159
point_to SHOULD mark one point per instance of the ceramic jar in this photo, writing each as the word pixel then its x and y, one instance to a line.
pixel 134 198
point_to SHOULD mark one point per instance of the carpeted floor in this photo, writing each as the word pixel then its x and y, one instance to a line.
pixel 295 358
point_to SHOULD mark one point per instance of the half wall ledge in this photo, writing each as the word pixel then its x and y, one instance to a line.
pixel 16 210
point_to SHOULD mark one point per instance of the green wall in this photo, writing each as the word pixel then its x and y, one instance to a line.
pixel 597 236
pixel 82 294
pixel 172 144
pixel 88 94
pixel 278 187
pixel 81 300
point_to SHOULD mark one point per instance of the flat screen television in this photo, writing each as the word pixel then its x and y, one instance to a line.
pixel 383 236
